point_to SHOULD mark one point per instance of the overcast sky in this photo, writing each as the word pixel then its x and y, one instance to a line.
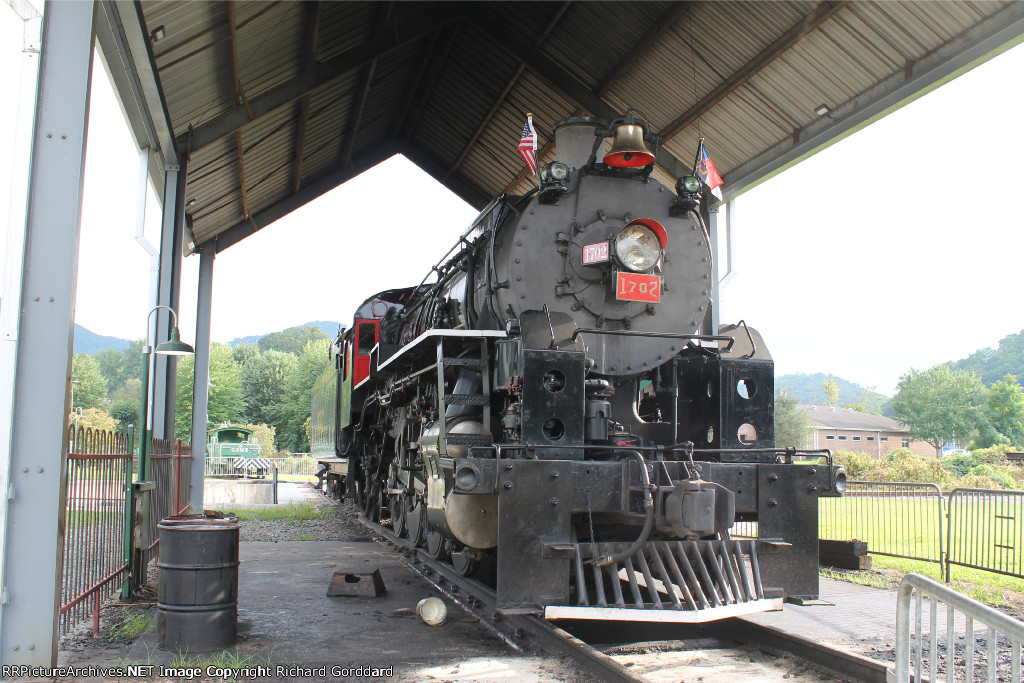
pixel 897 247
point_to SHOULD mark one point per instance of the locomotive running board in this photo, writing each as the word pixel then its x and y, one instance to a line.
pixel 668 581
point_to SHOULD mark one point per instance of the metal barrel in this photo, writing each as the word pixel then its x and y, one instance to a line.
pixel 197 603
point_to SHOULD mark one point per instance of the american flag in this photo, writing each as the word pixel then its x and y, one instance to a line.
pixel 528 144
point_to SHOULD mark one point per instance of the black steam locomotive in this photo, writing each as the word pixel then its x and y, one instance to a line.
pixel 550 410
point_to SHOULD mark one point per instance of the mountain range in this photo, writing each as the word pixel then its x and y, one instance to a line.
pixel 88 342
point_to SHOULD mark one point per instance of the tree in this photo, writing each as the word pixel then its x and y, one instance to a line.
pixel 90 388
pixel 293 409
pixel 1006 409
pixel 121 367
pixel 292 340
pixel 126 412
pixel 792 426
pixel 831 390
pixel 941 405
pixel 263 378
pixel 225 391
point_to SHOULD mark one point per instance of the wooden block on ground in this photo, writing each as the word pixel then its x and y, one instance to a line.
pixel 855 548
pixel 356 583
pixel 845 561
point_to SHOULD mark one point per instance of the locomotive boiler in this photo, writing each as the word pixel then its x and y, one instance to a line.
pixel 549 409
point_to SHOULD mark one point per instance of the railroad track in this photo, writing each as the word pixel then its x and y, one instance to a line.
pixel 731 639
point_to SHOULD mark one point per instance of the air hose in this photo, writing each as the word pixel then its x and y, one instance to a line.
pixel 648 519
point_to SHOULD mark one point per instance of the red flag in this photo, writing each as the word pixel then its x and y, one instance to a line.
pixel 528 144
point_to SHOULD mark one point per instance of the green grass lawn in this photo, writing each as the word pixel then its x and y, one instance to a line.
pixel 290 511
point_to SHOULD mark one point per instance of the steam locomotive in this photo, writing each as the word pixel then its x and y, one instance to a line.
pixel 549 409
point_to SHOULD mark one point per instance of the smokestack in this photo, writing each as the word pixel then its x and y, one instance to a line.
pixel 574 139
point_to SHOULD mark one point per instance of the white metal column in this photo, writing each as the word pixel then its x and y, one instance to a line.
pixel 169 287
pixel 33 542
pixel 201 386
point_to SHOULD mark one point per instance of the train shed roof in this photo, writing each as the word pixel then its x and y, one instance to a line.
pixel 274 103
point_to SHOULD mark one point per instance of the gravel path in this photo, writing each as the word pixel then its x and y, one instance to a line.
pixel 339 524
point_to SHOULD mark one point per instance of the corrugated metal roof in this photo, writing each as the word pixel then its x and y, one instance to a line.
pixel 828 417
pixel 296 93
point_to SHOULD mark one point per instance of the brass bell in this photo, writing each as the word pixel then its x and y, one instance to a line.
pixel 628 148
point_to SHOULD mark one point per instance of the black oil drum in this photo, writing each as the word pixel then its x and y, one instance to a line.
pixel 197 603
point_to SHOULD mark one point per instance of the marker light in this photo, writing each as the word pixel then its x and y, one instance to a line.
pixel 556 171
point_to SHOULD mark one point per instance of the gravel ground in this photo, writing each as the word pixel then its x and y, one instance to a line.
pixel 340 524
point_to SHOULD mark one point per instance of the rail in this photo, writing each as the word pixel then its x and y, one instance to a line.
pixel 985 530
pixel 900 519
pixel 955 655
pixel 98 472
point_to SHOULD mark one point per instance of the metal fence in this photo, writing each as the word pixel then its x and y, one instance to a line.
pixel 99 472
pixel 304 467
pixel 950 645
pixel 900 519
pixel 171 471
pixel 985 530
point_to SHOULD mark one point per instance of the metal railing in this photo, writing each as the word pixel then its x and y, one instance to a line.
pixel 305 467
pixel 171 471
pixel 99 472
pixel 958 653
pixel 900 519
pixel 985 530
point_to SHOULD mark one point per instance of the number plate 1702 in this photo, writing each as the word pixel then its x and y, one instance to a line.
pixel 637 287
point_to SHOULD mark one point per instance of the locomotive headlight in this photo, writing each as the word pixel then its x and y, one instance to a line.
pixel 555 171
pixel 688 184
pixel 637 247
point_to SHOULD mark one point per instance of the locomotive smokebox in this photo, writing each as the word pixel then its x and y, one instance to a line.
pixel 574 141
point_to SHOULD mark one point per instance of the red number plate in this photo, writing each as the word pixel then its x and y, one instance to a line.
pixel 595 253
pixel 636 287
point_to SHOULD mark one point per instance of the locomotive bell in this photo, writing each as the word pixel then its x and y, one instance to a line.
pixel 628 148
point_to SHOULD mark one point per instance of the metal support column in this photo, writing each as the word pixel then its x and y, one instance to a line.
pixel 33 543
pixel 201 386
pixel 716 301
pixel 168 292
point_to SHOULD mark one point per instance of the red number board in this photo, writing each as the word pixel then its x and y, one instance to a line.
pixel 637 287
pixel 595 253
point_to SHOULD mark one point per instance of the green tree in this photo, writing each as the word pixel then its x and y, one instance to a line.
pixel 1006 409
pixel 131 390
pixel 120 367
pixel 245 352
pixel 292 340
pixel 126 412
pixel 292 410
pixel 90 387
pixel 941 405
pixel 792 426
pixel 225 390
pixel 263 378
pixel 831 390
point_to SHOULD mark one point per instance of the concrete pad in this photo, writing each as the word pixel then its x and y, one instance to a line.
pixel 285 617
pixel 852 616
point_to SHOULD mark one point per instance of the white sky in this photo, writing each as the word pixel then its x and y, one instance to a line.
pixel 897 247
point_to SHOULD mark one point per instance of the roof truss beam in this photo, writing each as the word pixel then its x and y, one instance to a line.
pixel 322 74
pixel 309 61
pixel 818 16
pixel 994 35
pixel 312 190
pixel 560 80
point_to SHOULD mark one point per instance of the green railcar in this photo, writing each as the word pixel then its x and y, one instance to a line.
pixel 233 450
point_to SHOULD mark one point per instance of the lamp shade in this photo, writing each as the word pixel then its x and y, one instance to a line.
pixel 174 346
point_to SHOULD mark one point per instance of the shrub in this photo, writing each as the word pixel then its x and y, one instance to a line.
pixel 856 464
